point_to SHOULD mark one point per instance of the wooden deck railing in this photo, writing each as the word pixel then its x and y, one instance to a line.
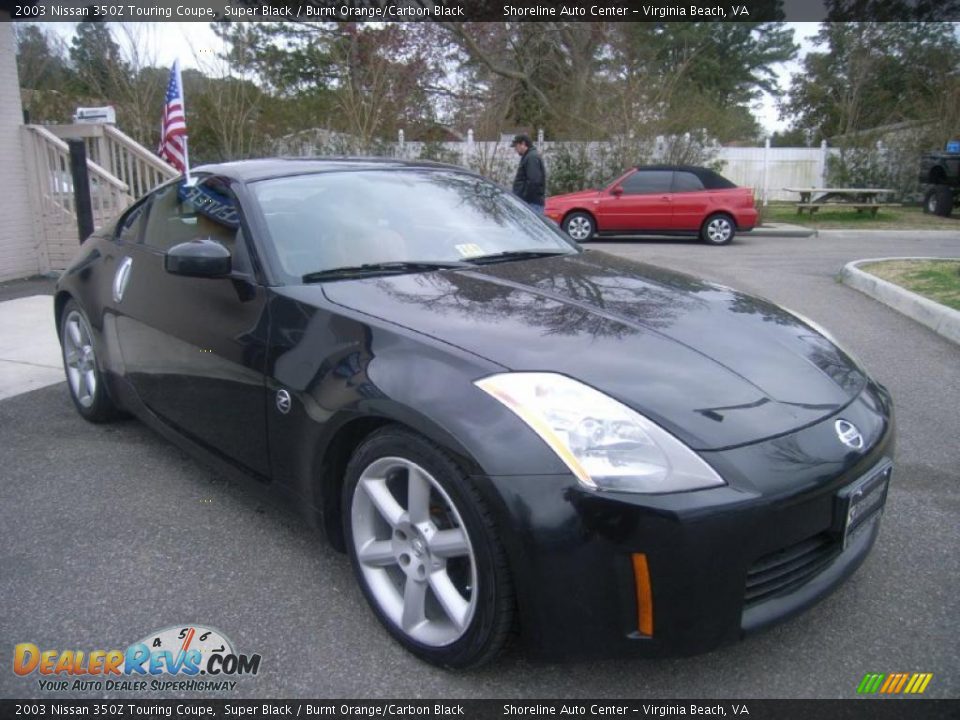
pixel 120 170
pixel 120 155
pixel 141 169
pixel 51 185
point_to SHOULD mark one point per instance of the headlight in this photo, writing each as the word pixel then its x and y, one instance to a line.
pixel 605 444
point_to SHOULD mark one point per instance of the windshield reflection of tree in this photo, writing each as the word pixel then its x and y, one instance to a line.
pixel 609 301
pixel 488 203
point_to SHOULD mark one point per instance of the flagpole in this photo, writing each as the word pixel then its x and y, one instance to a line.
pixel 183 102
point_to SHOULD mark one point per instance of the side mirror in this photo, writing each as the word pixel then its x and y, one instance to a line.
pixel 198 258
pixel 616 190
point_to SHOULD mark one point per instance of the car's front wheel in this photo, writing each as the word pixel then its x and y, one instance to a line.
pixel 718 229
pixel 424 549
pixel 580 226
pixel 84 379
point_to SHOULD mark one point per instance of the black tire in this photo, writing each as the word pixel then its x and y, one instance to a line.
pixel 580 226
pixel 82 367
pixel 938 201
pixel 718 229
pixel 480 577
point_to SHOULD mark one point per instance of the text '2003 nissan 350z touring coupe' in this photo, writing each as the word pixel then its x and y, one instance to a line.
pixel 506 433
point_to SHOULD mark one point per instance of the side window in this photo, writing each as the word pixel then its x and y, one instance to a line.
pixel 686 182
pixel 647 182
pixel 172 220
pixel 130 227
pixel 207 210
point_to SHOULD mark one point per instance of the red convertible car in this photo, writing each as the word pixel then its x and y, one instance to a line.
pixel 658 200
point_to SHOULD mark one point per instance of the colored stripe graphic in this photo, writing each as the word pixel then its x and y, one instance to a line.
pixel 894 683
pixel 870 683
pixel 912 684
pixel 903 681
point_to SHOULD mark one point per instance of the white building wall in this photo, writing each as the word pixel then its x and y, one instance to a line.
pixel 18 245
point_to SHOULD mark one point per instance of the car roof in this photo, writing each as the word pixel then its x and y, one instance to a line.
pixel 252 170
pixel 695 169
pixel 710 178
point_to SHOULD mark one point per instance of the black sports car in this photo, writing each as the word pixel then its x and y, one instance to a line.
pixel 502 430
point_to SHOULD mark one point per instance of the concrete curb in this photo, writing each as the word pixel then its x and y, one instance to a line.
pixel 939 318
pixel 781 230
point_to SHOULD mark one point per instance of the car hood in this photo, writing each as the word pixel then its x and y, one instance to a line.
pixel 716 367
pixel 580 195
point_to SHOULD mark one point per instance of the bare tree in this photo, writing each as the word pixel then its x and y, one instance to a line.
pixel 227 108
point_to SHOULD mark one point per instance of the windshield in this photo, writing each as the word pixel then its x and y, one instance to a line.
pixel 353 218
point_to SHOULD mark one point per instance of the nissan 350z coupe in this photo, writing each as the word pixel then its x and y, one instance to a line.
pixel 507 434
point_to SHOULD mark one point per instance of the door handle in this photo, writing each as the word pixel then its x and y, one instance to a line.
pixel 121 278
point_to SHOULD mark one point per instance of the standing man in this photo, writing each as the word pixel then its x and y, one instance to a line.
pixel 530 184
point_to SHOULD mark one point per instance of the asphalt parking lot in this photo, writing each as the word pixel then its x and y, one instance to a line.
pixel 109 532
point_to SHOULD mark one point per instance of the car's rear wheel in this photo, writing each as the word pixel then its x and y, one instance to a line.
pixel 84 379
pixel 580 226
pixel 718 229
pixel 423 547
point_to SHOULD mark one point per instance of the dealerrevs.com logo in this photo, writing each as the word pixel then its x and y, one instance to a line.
pixel 199 658
pixel 894 683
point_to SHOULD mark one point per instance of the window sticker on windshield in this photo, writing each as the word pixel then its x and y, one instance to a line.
pixel 469 250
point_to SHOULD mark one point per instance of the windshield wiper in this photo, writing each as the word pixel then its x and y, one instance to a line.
pixel 355 271
pixel 514 255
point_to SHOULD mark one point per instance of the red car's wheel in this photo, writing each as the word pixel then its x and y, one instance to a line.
pixel 580 226
pixel 718 229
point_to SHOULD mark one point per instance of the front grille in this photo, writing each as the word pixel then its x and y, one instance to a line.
pixel 784 570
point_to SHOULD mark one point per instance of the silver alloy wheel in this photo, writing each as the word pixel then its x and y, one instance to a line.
pixel 579 228
pixel 79 358
pixel 932 203
pixel 414 551
pixel 719 230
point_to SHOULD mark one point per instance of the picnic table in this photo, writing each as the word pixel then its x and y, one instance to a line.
pixel 860 199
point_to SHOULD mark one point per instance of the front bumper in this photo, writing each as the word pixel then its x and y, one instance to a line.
pixel 571 549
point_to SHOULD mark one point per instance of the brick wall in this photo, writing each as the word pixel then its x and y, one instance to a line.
pixel 18 244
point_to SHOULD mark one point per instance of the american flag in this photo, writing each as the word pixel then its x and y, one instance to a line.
pixel 173 132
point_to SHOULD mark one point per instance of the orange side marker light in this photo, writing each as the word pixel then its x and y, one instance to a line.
pixel 641 576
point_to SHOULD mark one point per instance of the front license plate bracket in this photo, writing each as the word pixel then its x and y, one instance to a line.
pixel 861 503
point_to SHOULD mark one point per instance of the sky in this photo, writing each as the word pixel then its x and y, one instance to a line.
pixel 195 44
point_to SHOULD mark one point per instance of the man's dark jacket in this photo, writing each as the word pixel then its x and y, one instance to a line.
pixel 530 184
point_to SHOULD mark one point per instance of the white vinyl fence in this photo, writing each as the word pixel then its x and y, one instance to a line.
pixel 773 169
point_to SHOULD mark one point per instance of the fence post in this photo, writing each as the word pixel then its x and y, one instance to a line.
pixel 468 149
pixel 766 163
pixel 81 187
pixel 823 163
